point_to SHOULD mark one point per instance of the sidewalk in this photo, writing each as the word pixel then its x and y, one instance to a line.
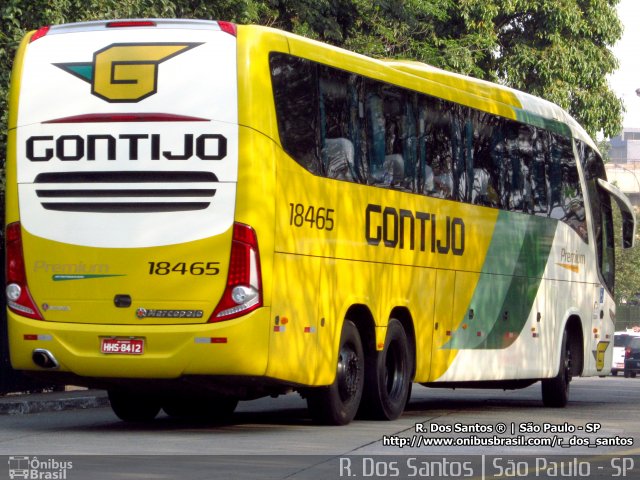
pixel 16 404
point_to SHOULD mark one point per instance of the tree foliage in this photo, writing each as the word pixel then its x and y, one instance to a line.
pixel 556 49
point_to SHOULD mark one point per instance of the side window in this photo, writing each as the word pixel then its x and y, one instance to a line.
pixel 391 128
pixel 484 187
pixel 601 213
pixel 337 146
pixel 525 140
pixel 462 154
pixel 566 192
pixel 439 146
pixel 409 140
pixel 344 126
pixel 518 153
pixel 606 244
pixel 296 99
pixel 539 184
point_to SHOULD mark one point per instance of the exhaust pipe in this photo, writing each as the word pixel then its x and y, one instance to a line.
pixel 44 359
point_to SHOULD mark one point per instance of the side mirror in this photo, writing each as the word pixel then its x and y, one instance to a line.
pixel 626 209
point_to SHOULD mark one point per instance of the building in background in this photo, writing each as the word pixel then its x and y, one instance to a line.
pixel 625 148
pixel 623 168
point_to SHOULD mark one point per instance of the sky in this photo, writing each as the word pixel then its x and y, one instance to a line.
pixel 626 79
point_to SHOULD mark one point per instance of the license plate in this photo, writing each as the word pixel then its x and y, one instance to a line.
pixel 122 346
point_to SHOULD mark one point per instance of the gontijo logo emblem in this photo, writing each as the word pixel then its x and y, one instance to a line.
pixel 125 72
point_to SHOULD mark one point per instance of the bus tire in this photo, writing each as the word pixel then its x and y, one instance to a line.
pixel 338 403
pixel 133 406
pixel 217 409
pixel 388 376
pixel 555 391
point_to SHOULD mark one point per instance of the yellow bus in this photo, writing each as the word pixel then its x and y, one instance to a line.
pixel 201 212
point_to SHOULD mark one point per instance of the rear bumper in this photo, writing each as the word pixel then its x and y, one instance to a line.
pixel 234 347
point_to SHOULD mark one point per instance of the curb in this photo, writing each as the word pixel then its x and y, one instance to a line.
pixel 53 402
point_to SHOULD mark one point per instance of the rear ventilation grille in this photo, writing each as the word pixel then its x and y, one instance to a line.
pixel 126 192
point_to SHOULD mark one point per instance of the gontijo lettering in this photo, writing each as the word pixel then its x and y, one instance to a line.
pixel 42 148
pixel 400 228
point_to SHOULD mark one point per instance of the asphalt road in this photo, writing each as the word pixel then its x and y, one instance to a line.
pixel 274 438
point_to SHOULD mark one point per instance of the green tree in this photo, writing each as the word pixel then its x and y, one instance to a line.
pixel 558 50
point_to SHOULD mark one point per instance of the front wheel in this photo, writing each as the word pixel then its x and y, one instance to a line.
pixel 555 391
pixel 388 376
pixel 338 403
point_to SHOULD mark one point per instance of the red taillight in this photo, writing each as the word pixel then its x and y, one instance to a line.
pixel 17 292
pixel 229 28
pixel 131 23
pixel 41 32
pixel 243 292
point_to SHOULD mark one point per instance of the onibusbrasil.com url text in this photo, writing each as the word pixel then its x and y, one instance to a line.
pixel 418 441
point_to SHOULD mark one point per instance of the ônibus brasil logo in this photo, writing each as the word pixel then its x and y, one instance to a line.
pixel 125 72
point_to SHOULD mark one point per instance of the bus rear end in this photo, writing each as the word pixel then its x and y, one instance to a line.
pixel 124 261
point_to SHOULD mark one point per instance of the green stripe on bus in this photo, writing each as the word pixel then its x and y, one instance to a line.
pixel 81 276
pixel 539 121
pixel 502 302
pixel 525 284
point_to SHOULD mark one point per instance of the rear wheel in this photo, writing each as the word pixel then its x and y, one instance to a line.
pixel 338 403
pixel 555 391
pixel 133 406
pixel 388 376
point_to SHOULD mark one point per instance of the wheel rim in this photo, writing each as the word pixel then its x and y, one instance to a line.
pixel 349 372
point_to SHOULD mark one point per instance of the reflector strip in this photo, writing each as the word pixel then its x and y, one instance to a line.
pixel 210 340
pixel 44 337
